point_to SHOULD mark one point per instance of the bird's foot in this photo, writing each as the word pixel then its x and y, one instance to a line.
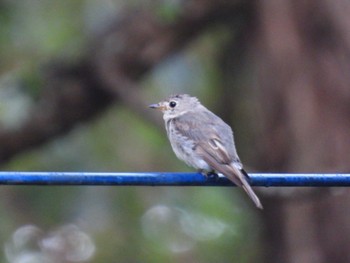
pixel 210 175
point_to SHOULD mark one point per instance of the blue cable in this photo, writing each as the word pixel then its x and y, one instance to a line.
pixel 168 179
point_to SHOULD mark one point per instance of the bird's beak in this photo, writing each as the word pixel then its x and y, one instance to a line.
pixel 157 106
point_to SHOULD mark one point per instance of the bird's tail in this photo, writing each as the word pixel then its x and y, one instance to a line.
pixel 247 188
pixel 242 176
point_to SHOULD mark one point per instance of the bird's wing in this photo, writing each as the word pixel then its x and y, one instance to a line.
pixel 204 131
pixel 216 156
pixel 208 144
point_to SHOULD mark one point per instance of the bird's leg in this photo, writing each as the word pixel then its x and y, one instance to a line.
pixel 210 175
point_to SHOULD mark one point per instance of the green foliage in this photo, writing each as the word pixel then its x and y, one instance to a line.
pixel 126 224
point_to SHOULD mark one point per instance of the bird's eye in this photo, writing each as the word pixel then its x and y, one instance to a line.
pixel 172 104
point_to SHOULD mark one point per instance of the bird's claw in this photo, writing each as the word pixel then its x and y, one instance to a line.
pixel 210 175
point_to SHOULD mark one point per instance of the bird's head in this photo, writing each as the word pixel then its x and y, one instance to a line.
pixel 176 105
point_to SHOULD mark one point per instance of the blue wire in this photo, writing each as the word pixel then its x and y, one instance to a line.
pixel 167 179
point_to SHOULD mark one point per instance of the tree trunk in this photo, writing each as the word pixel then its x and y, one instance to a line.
pixel 303 62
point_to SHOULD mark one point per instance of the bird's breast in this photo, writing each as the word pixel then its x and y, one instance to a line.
pixel 184 147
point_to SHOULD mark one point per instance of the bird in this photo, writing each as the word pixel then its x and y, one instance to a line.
pixel 203 140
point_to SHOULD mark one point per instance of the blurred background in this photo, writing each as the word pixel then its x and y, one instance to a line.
pixel 75 81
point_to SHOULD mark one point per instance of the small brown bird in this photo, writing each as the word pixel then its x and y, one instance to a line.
pixel 203 140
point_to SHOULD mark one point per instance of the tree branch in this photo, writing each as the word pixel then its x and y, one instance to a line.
pixel 117 58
